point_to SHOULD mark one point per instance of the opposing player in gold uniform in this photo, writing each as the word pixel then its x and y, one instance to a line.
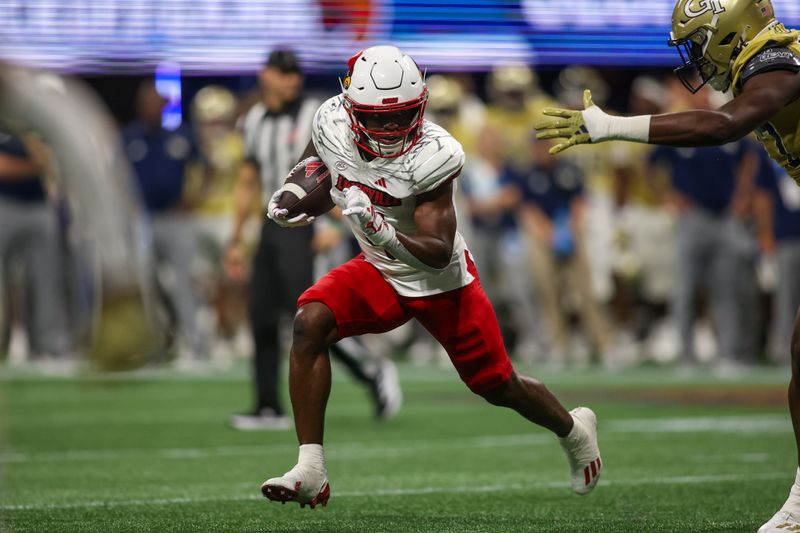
pixel 735 45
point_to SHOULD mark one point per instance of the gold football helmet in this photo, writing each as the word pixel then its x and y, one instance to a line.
pixel 709 34
pixel 213 103
pixel 444 94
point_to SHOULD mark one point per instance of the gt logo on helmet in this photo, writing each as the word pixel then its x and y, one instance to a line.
pixel 704 7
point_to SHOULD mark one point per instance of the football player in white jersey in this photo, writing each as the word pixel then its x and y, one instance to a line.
pixel 393 176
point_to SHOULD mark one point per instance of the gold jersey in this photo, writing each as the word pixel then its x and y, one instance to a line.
pixel 775 49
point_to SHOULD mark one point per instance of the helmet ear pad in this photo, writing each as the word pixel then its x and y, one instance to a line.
pixel 385 97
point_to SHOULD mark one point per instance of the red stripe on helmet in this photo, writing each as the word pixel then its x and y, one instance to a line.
pixel 352 62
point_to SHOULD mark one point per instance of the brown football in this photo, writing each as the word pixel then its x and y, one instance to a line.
pixel 307 189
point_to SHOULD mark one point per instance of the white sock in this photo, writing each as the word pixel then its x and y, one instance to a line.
pixel 312 455
pixel 574 432
pixel 793 502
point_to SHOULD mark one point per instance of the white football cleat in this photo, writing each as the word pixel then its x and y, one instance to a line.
pixel 301 484
pixel 782 522
pixel 582 451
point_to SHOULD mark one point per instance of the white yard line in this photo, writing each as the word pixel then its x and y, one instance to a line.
pixel 764 424
pixel 340 451
pixel 471 489
pixel 705 424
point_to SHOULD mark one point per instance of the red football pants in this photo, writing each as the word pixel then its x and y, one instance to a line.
pixel 462 320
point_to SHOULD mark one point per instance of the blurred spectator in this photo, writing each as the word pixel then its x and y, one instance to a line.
pixel 277 130
pixel 212 188
pixel 642 257
pixel 29 233
pixel 596 163
pixel 456 109
pixel 777 204
pixel 497 244
pixel 552 214
pixel 712 191
pixel 161 160
pixel 515 102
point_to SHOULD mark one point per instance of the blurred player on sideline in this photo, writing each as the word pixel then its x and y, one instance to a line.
pixel 393 174
pixel 735 45
pixel 162 159
pixel 29 229
pixel 97 179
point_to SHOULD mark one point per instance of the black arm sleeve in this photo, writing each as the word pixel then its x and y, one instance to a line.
pixel 769 59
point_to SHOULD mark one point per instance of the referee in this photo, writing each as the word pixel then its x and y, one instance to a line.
pixel 276 131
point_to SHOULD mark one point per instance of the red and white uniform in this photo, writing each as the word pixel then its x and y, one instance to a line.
pixel 374 293
pixel 392 185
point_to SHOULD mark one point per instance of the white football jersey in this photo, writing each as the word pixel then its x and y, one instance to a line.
pixel 393 185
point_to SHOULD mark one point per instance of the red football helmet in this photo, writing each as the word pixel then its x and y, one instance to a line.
pixel 385 97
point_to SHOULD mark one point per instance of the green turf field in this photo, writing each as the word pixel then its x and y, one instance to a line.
pixel 153 453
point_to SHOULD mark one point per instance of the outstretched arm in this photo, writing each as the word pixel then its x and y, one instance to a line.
pixel 762 97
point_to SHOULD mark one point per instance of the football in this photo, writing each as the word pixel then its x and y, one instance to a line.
pixel 307 189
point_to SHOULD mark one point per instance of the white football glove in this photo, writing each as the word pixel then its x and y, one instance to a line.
pixel 359 208
pixel 278 215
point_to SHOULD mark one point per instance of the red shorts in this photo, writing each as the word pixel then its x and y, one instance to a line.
pixel 462 320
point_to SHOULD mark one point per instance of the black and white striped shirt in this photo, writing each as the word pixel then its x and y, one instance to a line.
pixel 274 141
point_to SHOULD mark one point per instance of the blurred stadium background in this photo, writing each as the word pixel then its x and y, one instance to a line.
pixel 653 285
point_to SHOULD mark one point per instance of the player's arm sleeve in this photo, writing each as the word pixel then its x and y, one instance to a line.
pixel 769 60
pixel 441 162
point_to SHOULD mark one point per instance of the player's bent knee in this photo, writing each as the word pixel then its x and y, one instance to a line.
pixel 314 326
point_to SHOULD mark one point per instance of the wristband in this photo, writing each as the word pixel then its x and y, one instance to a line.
pixel 604 127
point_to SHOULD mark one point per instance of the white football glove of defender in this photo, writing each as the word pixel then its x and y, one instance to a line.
pixel 278 215
pixel 358 207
